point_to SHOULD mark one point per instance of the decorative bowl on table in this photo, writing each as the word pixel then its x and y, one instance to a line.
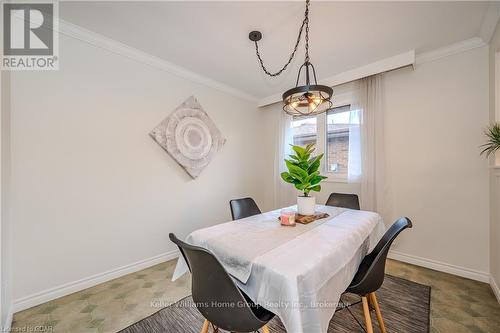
pixel 290 217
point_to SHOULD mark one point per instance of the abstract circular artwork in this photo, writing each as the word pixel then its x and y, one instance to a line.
pixel 189 136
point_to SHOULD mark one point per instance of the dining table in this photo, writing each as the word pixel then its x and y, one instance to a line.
pixel 299 273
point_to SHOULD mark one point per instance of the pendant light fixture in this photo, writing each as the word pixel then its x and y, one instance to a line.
pixel 310 98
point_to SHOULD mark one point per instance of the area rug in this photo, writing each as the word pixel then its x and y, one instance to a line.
pixel 405 306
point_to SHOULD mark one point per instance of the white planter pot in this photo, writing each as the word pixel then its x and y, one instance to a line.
pixel 306 205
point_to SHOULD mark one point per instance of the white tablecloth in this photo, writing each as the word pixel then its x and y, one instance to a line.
pixel 301 279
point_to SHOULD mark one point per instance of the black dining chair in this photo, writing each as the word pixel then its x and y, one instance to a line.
pixel 211 286
pixel 371 273
pixel 245 207
pixel 343 200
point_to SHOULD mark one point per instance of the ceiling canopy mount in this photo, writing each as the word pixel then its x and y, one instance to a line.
pixel 255 36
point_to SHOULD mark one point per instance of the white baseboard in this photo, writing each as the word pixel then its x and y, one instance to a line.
pixel 440 266
pixel 6 326
pixel 71 287
pixel 494 287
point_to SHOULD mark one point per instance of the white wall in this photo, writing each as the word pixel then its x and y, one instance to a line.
pixel 435 117
pixel 5 227
pixel 434 120
pixel 91 190
pixel 494 174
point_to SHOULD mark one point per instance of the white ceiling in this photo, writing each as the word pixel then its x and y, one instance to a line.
pixel 211 38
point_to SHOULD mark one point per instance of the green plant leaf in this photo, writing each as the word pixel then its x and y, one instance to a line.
pixel 299 187
pixel 303 170
pixel 316 180
pixel 292 162
pixel 303 165
pixel 312 175
pixel 316 188
pixel 286 177
pixel 291 165
pixel 310 148
pixel 316 158
pixel 493 140
pixel 299 150
pixel 297 172
pixel 314 163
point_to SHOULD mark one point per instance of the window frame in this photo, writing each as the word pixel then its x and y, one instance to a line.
pixel 339 100
pixel 332 177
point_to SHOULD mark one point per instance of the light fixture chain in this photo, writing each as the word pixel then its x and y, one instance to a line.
pixel 306 20
pixel 305 23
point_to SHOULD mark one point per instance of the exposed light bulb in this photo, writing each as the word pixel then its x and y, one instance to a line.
pixel 312 106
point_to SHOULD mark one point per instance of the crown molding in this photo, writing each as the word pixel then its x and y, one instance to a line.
pixel 449 50
pixel 398 61
pixel 388 64
pixel 77 32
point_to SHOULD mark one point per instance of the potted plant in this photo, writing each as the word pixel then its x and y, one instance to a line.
pixel 304 175
pixel 493 143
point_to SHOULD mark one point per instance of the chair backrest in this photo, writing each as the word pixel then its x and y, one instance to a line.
pixel 245 207
pixel 370 275
pixel 343 200
pixel 214 291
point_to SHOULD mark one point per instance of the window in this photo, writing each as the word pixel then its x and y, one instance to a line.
pixel 342 140
pixel 304 131
pixel 337 135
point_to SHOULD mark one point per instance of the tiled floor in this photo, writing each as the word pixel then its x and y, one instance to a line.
pixel 107 307
pixel 458 305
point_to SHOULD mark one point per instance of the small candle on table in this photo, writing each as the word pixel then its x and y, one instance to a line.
pixel 288 217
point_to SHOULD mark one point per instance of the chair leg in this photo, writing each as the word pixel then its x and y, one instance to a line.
pixel 265 329
pixel 370 305
pixel 379 314
pixel 368 319
pixel 204 329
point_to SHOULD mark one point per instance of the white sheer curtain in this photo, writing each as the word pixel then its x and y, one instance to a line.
pixel 369 102
pixel 284 193
pixel 354 166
